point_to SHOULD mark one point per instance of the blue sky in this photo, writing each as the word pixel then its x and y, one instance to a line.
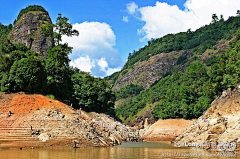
pixel 110 30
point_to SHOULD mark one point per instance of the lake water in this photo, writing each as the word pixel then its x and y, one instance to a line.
pixel 141 150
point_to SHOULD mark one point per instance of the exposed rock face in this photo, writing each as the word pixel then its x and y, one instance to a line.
pixel 37 121
pixel 220 47
pixel 220 123
pixel 27 31
pixel 166 130
pixel 145 73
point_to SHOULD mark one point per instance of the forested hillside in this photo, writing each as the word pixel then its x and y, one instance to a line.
pixel 198 41
pixel 209 62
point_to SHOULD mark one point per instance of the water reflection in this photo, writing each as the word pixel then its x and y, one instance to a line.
pixel 124 151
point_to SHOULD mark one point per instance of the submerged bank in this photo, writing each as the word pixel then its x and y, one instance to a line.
pixel 124 151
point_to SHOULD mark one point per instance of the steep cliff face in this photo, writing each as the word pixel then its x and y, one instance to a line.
pixel 147 72
pixel 27 31
pixel 219 124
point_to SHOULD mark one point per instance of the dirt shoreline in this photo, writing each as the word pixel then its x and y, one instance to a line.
pixel 38 121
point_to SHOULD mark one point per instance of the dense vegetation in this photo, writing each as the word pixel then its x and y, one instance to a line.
pixel 187 94
pixel 91 93
pixel 4 31
pixel 179 93
pixel 24 70
pixel 128 91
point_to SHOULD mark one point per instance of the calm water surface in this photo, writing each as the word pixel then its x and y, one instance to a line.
pixel 139 150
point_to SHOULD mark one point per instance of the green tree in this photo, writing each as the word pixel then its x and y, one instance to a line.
pixel 129 91
pixel 196 70
pixel 27 74
pixel 221 17
pixel 91 94
pixel 57 61
pixel 59 72
pixel 62 27
pixel 214 18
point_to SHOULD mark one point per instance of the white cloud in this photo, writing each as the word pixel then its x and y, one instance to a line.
pixel 110 71
pixel 94 65
pixel 163 18
pixel 83 63
pixel 132 7
pixel 102 63
pixel 125 19
pixel 94 45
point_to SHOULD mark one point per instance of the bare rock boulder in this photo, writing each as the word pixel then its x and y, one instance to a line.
pixel 43 137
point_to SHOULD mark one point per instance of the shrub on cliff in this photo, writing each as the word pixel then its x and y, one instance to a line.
pixel 29 9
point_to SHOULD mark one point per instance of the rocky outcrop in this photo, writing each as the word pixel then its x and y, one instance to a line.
pixel 27 31
pixel 117 130
pixel 166 130
pixel 146 73
pixel 220 124
pixel 37 121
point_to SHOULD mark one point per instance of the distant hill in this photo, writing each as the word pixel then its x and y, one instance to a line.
pixel 188 44
pixel 180 73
